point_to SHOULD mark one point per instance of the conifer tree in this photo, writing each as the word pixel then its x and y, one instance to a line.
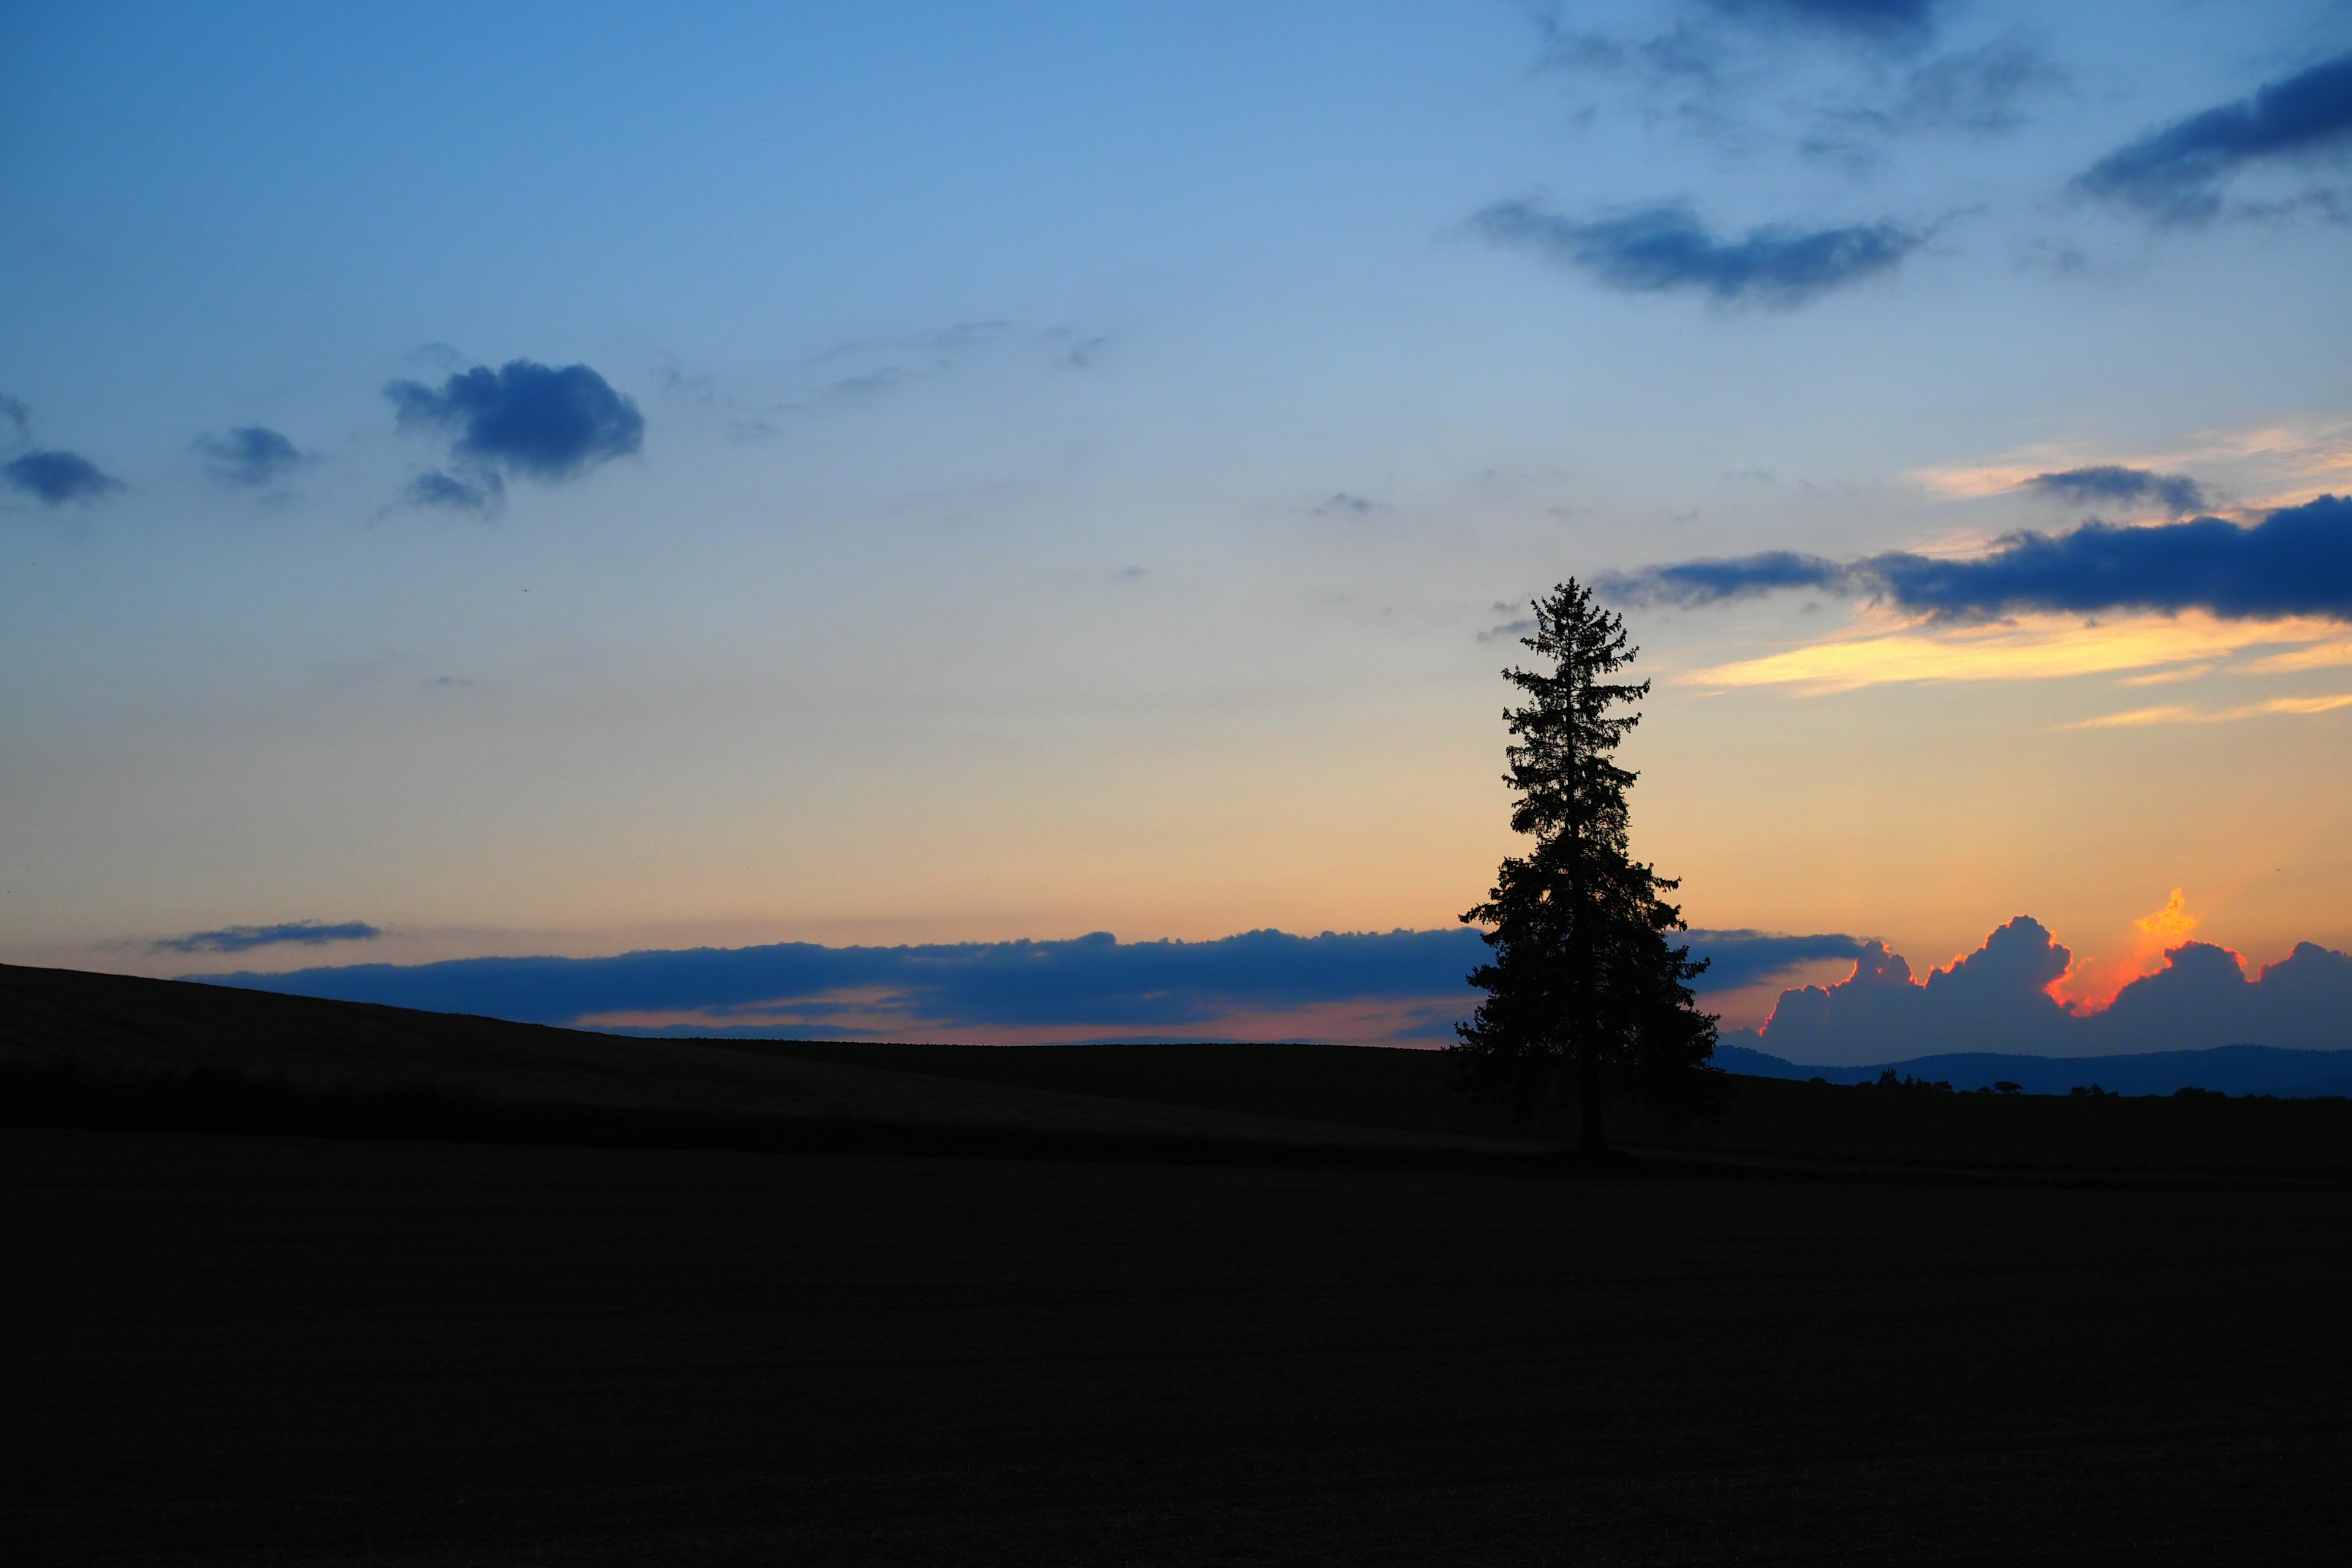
pixel 1585 991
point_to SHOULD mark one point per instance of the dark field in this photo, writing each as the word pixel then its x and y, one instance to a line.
pixel 1229 1304
pixel 231 1350
pixel 1771 1117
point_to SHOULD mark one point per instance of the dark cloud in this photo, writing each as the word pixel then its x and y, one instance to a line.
pixel 1343 503
pixel 1876 21
pixel 481 492
pixel 252 456
pixel 1741 958
pixel 1982 91
pixel 243 938
pixel 2176 493
pixel 1664 249
pixel 1714 579
pixel 57 477
pixel 2201 999
pixel 2174 175
pixel 2295 562
pixel 1095 982
pixel 529 419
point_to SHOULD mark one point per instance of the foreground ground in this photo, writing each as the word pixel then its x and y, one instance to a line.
pixel 217 1349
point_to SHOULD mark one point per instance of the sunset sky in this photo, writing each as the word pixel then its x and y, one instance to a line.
pixel 561 481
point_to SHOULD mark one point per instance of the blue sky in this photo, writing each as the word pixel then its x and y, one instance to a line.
pixel 1055 469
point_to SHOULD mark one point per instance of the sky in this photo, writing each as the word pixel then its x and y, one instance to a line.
pixel 526 484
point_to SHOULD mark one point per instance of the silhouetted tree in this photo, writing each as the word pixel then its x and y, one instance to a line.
pixel 1582 983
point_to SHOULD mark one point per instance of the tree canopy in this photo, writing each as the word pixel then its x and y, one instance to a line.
pixel 1586 994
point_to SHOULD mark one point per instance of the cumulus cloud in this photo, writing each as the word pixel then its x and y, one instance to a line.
pixel 243 938
pixel 1415 980
pixel 2176 493
pixel 528 419
pixel 251 456
pixel 1999 999
pixel 2174 175
pixel 2295 562
pixel 57 477
pixel 1666 250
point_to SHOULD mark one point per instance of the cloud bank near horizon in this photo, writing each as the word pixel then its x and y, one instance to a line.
pixel 1999 998
pixel 2297 562
pixel 1395 987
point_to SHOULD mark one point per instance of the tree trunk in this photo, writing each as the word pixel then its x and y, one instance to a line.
pixel 1592 1140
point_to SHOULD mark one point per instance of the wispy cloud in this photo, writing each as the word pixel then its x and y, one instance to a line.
pixel 2034 649
pixel 480 492
pixel 2176 713
pixel 1666 250
pixel 252 456
pixel 244 939
pixel 2174 176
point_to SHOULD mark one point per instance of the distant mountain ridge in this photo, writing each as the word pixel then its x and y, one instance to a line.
pixel 2225 1069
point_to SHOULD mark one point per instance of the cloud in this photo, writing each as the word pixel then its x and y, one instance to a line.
pixel 526 418
pixel 57 477
pixel 1999 998
pixel 243 938
pixel 2176 493
pixel 1341 503
pixel 1977 90
pixel 2043 649
pixel 252 456
pixel 1412 986
pixel 18 419
pixel 1715 579
pixel 1872 21
pixel 2179 713
pixel 2173 176
pixel 2295 562
pixel 1666 249
pixel 482 493
pixel 1738 959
